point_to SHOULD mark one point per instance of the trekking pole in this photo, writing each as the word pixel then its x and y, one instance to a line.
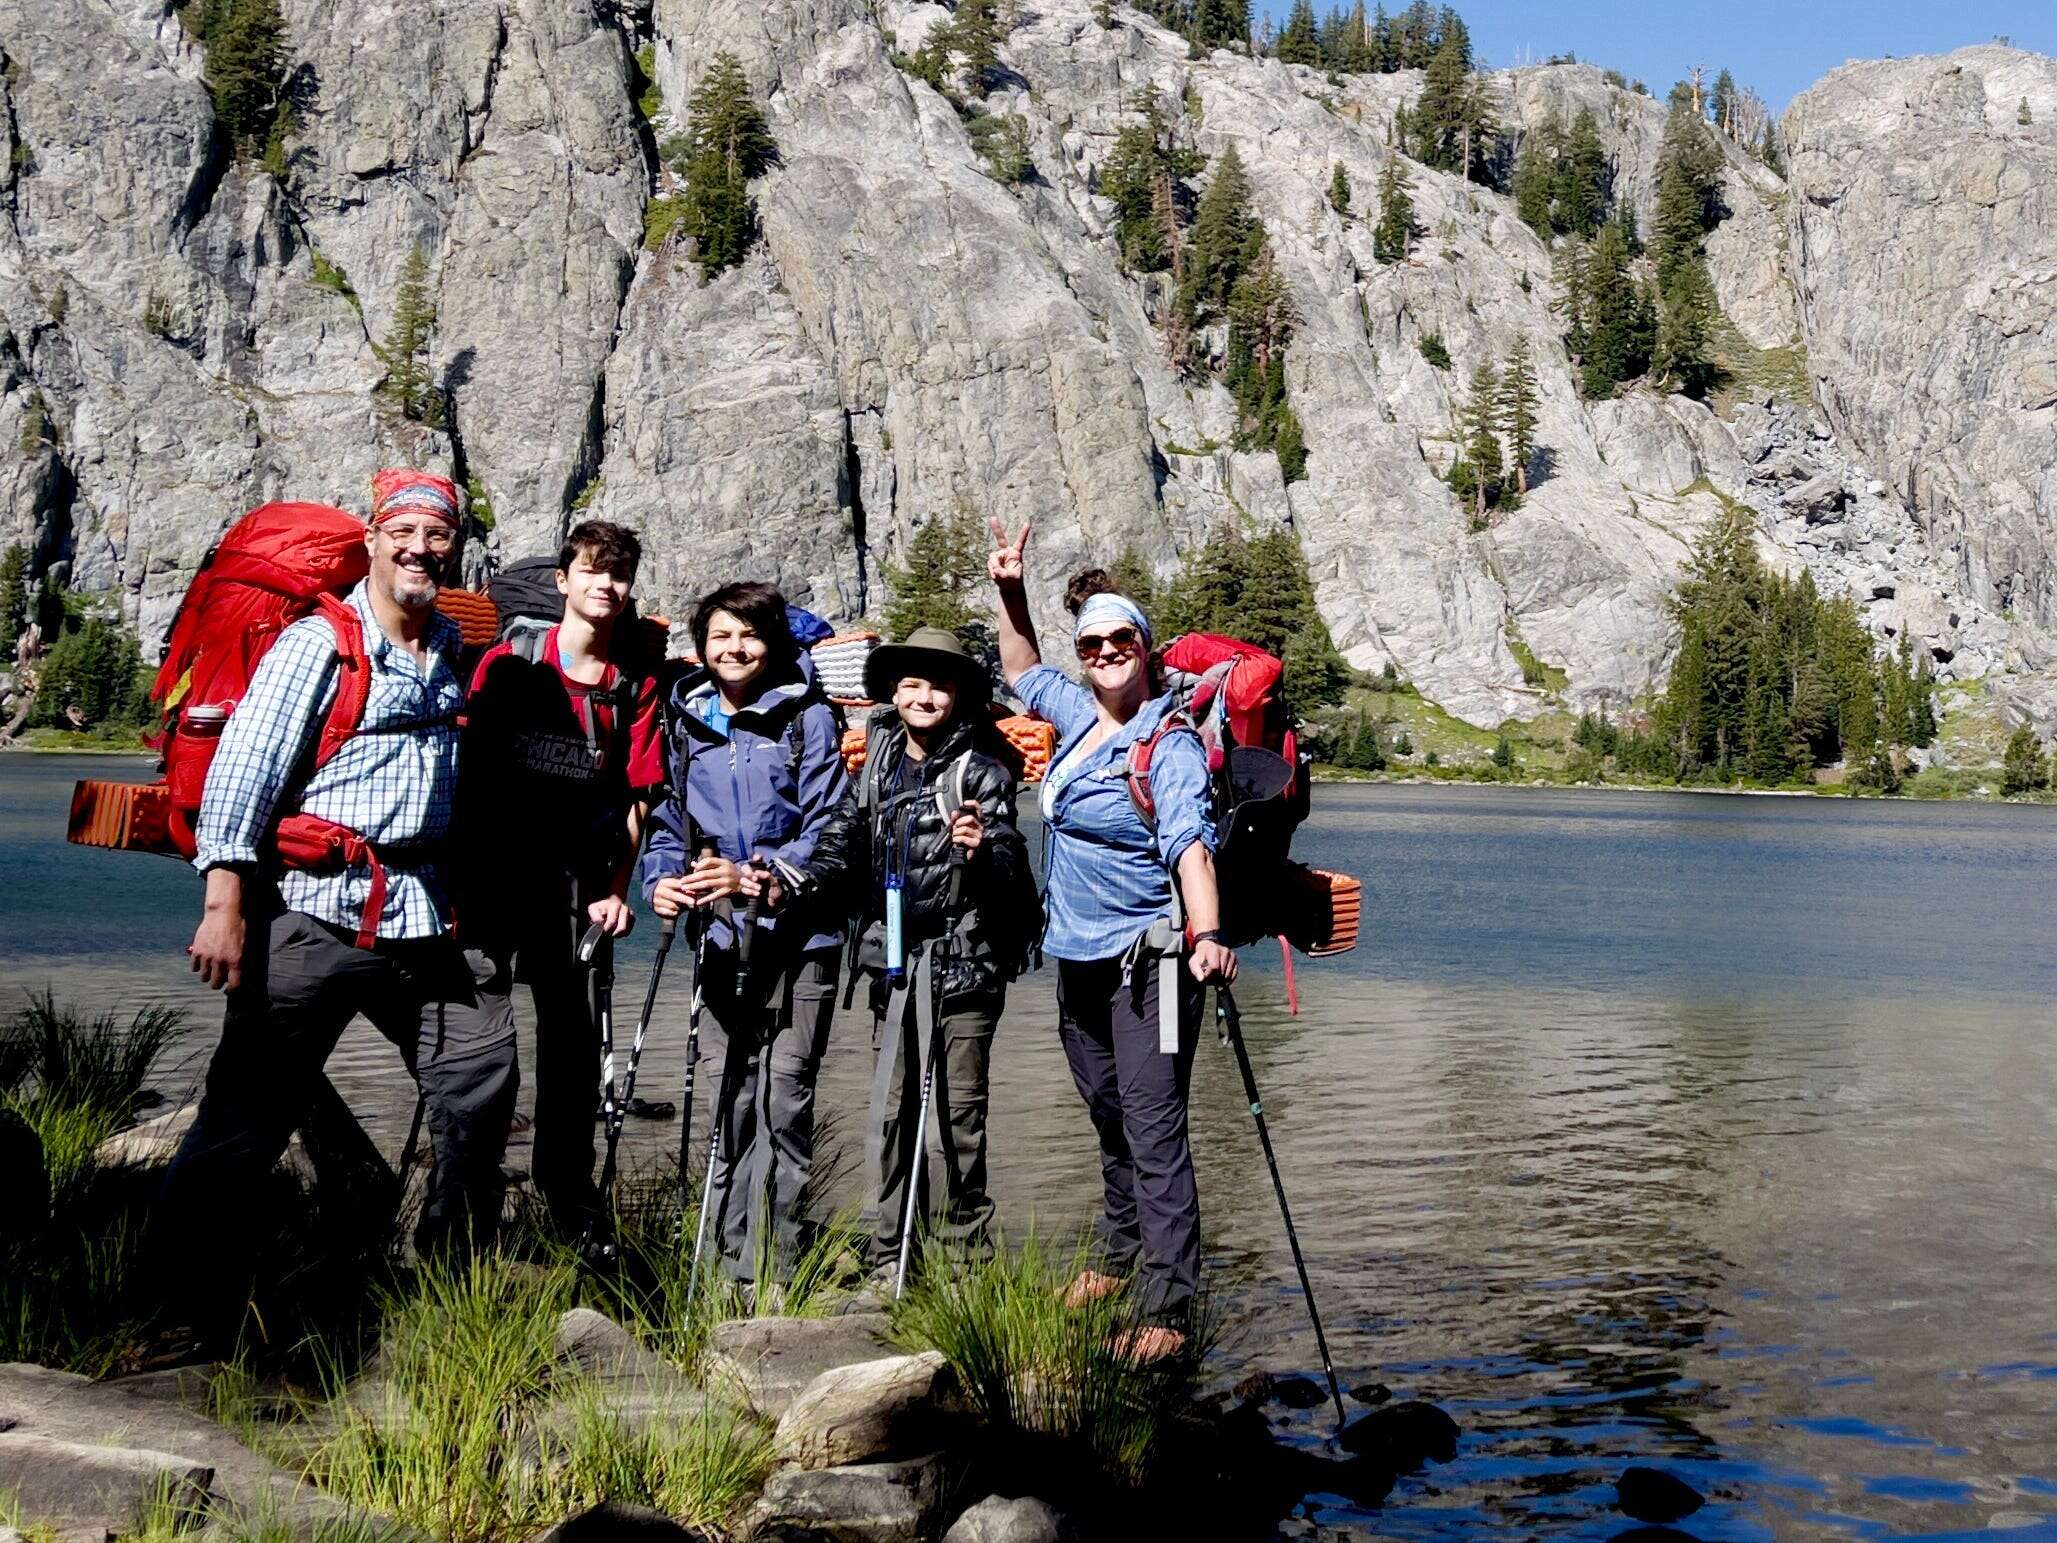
pixel 721 1100
pixel 693 1045
pixel 396 1247
pixel 939 959
pixel 614 1112
pixel 1229 1023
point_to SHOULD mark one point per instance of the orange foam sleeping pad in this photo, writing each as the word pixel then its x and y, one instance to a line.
pixel 1337 911
pixel 1033 740
pixel 124 816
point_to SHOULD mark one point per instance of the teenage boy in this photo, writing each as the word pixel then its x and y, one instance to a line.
pixel 562 747
pixel 930 797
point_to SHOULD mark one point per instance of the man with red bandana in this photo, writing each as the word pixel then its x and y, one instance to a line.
pixel 304 948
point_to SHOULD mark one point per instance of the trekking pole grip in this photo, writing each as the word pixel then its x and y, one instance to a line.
pixel 751 912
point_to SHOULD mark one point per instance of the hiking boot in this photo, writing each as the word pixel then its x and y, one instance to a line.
pixel 1149 1343
pixel 1090 1286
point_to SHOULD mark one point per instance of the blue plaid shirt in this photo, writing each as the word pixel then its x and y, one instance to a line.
pixel 393 781
pixel 1109 877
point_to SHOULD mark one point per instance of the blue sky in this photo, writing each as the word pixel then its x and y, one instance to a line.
pixel 1779 47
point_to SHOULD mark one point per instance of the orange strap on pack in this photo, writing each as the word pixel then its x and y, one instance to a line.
pixel 307 841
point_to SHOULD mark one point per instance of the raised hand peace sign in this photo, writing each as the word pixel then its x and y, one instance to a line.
pixel 1004 566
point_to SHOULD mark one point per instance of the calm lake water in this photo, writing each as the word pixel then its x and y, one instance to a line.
pixel 1712 1133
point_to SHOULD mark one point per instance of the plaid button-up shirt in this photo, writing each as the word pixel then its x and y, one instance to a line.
pixel 393 781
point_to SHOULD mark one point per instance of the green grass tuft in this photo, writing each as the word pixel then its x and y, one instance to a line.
pixel 1035 1368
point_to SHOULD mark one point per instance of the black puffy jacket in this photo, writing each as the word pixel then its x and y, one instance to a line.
pixel 853 855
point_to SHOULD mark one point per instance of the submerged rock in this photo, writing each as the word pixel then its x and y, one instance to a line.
pixel 1652 1495
pixel 1403 1435
pixel 1371 1393
pixel 1023 1519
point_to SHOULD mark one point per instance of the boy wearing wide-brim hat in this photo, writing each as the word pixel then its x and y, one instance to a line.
pixel 932 787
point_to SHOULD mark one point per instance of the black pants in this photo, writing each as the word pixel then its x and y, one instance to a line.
pixel 542 944
pixel 303 981
pixel 1136 1096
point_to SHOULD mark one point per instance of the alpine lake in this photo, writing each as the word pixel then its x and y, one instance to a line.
pixel 1711 1133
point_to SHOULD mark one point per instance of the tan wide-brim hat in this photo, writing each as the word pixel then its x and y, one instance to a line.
pixel 929 653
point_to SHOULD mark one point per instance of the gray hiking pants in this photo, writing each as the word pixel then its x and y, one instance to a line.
pixel 956 1138
pixel 760 1052
pixel 303 981
pixel 1136 1096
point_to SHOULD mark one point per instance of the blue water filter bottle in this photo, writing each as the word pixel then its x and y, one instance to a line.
pixel 896 932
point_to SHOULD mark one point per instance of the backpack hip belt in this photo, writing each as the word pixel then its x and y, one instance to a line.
pixel 310 844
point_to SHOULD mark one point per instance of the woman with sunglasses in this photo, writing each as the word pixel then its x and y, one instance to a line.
pixel 1113 879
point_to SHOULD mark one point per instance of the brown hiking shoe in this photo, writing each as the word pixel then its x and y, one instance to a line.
pixel 1150 1343
pixel 1091 1286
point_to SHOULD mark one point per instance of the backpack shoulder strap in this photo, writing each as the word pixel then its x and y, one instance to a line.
pixel 1136 770
pixel 353 676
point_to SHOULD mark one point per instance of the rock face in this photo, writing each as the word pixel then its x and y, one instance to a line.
pixel 184 333
pixel 1924 239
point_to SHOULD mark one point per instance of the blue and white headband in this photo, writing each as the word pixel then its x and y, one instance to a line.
pixel 1106 607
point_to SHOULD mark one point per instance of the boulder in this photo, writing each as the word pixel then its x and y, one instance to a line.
pixel 1818 497
pixel 1023 1519
pixel 899 1502
pixel 767 1363
pixel 82 1484
pixel 150 1144
pixel 603 1350
pixel 874 1409
pixel 75 1416
pixel 613 1522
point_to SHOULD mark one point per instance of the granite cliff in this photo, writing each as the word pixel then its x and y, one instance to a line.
pixel 184 334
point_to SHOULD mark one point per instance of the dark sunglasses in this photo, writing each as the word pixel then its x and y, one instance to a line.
pixel 1123 639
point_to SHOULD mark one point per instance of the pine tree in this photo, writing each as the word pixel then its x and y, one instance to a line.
pixel 1569 270
pixel 1222 230
pixel 1220 23
pixel 410 382
pixel 1768 151
pixel 1721 106
pixel 730 143
pixel 1582 178
pixel 1532 181
pixel 1922 710
pixel 1684 351
pixel 1135 578
pixel 2022 115
pixel 1297 44
pixel 975 32
pixel 946 563
pixel 1519 404
pixel 14 600
pixel 1394 233
pixel 1439 118
pixel 1616 317
pixel 1480 421
pixel 1148 161
pixel 245 65
pixel 2023 770
pixel 1339 191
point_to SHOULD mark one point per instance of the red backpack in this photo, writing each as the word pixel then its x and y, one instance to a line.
pixel 275 566
pixel 1228 695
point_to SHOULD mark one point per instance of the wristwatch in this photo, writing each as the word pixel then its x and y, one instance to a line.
pixel 1211 935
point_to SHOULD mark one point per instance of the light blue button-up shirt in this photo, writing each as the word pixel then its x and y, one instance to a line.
pixel 393 781
pixel 1110 877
